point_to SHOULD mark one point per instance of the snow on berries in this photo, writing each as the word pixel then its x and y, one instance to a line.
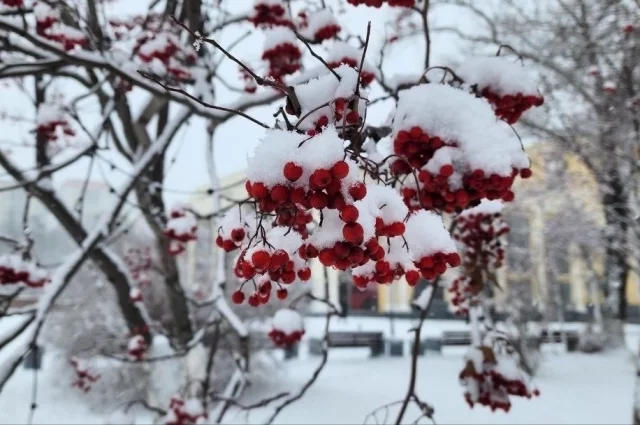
pixel 13 3
pixel 84 377
pixel 395 263
pixel 269 13
pixel 342 53
pixel 321 25
pixel 289 169
pixel 609 87
pixel 138 261
pixel 135 295
pixel 164 54
pixel 337 96
pixel 430 244
pixel 379 3
pixel 235 228
pixel 181 228
pixel 16 271
pixel 491 374
pixel 480 232
pixel 281 52
pixel 52 122
pixel 49 26
pixel 507 85
pixel 388 208
pixel 185 412
pixel 287 327
pixel 451 141
pixel 137 347
pixel 271 261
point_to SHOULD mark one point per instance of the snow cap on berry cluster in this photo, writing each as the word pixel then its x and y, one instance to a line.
pixel 237 218
pixel 278 238
pixel 184 225
pixel 277 36
pixel 318 20
pixel 455 116
pixel 280 147
pixel 500 74
pixel 386 203
pixel 486 207
pixel 43 12
pixel 325 89
pixel 288 321
pixel 426 235
pixel 331 230
pixel 341 50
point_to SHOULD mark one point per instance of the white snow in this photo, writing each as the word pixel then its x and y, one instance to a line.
pixel 279 147
pixel 485 207
pixel 425 234
pixel 318 20
pixel 500 74
pixel 288 321
pixel 455 116
pixel 278 35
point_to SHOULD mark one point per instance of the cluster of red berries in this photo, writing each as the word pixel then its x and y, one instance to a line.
pixel 416 148
pixel 480 234
pixel 13 271
pixel 283 59
pixel 295 218
pixel 462 289
pixel 48 129
pixel 366 77
pixel 325 185
pixel 287 327
pixel 434 265
pixel 180 229
pixel 511 107
pixel 165 48
pixel 84 378
pixel 384 273
pixel 277 264
pixel 269 15
pixel 378 3
pixel 13 3
pixel 488 386
pixel 233 242
pixel 137 347
pixel 282 339
pixel 262 295
pixel 185 412
pixel 347 253
pixel 139 263
pixel 327 32
pixel 69 39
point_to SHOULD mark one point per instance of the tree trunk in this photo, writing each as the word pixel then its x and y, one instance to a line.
pixel 154 214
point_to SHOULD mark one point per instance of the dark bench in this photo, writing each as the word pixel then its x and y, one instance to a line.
pixel 373 340
pixel 456 338
pixel 573 338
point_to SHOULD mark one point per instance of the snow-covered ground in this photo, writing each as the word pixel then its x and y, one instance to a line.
pixel 575 388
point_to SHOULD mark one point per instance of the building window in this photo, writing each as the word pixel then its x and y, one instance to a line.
pixel 354 299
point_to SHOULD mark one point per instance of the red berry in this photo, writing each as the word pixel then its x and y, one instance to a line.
pixel 259 190
pixel 237 235
pixel 340 170
pixel 525 173
pixel 353 232
pixel 304 274
pixel 446 170
pixel 260 260
pixel 238 297
pixel 453 259
pixel 412 277
pixel 292 171
pixel 321 178
pixel 220 242
pixel 396 229
pixel 352 117
pixel 288 276
pixel 349 214
pixel 254 300
pixel 319 200
pixel 282 293
pixel 358 191
pixel 326 257
pixel 278 259
pixel 280 194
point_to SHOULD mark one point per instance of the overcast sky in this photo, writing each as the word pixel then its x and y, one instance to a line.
pixel 237 137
